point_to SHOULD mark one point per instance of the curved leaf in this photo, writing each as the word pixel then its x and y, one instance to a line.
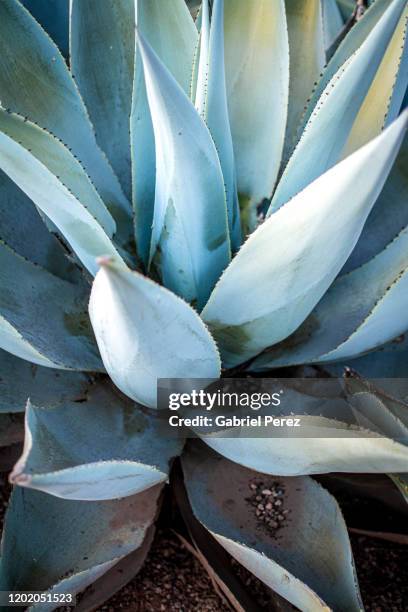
pixel 43 386
pixel 311 572
pixel 31 158
pixel 388 217
pixel 35 83
pixel 190 243
pixel 349 45
pixel 102 57
pixel 23 230
pixel 104 448
pixel 140 326
pixel 257 73
pixel 170 31
pixel 307 58
pixel 389 361
pixel 336 111
pixel 211 103
pixel 42 318
pixel 330 439
pixel 287 265
pixel 53 15
pixel 57 545
pixel 369 307
pixel 389 84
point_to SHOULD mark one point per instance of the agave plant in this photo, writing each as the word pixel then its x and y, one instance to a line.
pixel 229 202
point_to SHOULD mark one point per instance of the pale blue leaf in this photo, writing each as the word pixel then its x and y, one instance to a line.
pixel 211 103
pixel 103 448
pixel 331 438
pixel 43 318
pixel 43 386
pixel 389 361
pixel 190 239
pixel 336 111
pixel 306 59
pixel 346 7
pixel 170 30
pixel 47 173
pixel 56 545
pixel 383 100
pixel 313 573
pixel 140 327
pixel 53 15
pixel 257 72
pixel 349 45
pixel 362 310
pixel 332 21
pixel 36 83
pixel 290 261
pixel 388 217
pixel 102 57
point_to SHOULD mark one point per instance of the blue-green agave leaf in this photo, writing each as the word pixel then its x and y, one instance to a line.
pixel 36 83
pixel 375 407
pixel 202 57
pixel 336 111
pixel 388 217
pixel 307 59
pixel 140 326
pixel 368 305
pixel 58 545
pixel 102 58
pixel 257 73
pixel 289 262
pixel 389 361
pixel 211 103
pixel 190 239
pixel 22 228
pixel 47 173
pixel 313 573
pixel 43 318
pixel 103 448
pixel 330 439
pixel 169 29
pixel 350 44
pixel 21 380
pixel 383 101
pixel 332 21
pixel 53 15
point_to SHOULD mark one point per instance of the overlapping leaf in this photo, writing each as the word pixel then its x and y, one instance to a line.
pixel 383 101
pixel 22 228
pixel 102 58
pixel 332 22
pixel 53 15
pixel 257 73
pixel 307 57
pixel 77 543
pixel 103 448
pixel 369 306
pixel 289 262
pixel 211 102
pixel 190 239
pixel 51 177
pixel 42 318
pixel 336 110
pixel 140 327
pixel 312 572
pixel 35 83
pixel 329 439
pixel 170 31
pixel 45 387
